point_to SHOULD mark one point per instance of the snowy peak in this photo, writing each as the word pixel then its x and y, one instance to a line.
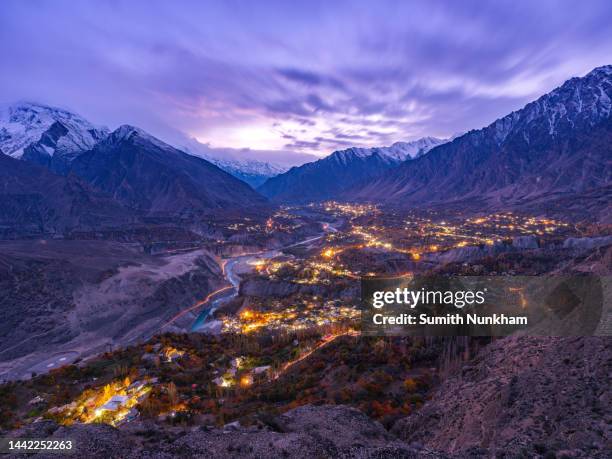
pixel 129 133
pixel 348 155
pixel 329 177
pixel 124 132
pixel 604 70
pixel 557 145
pixel 398 152
pixel 578 103
pixel 406 150
pixel 134 136
pixel 48 130
pixel 54 137
pixel 249 166
pixel 251 171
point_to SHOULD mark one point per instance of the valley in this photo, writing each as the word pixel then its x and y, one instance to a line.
pixel 156 302
pixel 294 274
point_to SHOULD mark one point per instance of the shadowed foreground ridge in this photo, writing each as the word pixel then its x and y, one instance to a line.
pixel 519 397
pixel 540 395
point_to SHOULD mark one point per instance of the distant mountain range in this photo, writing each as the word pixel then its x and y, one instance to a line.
pixel 555 147
pixel 327 178
pixel 251 171
pixel 555 154
pixel 62 173
pixel 251 166
pixel 53 137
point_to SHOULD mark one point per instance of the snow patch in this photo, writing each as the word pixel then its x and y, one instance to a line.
pixel 23 124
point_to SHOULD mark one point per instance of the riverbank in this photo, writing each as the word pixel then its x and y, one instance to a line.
pixel 233 267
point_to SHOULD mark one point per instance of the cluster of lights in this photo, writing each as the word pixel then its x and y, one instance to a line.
pixel 370 240
pixel 312 269
pixel 479 230
pixel 293 318
pixel 247 226
pixel 111 403
pixel 170 353
pixel 507 221
pixel 351 210
pixel 418 235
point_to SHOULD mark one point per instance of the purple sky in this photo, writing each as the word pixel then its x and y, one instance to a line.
pixel 297 76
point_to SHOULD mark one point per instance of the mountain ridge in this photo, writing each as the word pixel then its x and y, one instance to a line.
pixel 252 172
pixel 46 135
pixel 53 137
pixel 332 175
pixel 558 143
pixel 146 174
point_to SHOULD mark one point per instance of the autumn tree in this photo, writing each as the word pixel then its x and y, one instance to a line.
pixel 173 395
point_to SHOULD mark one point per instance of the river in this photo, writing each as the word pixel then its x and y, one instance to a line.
pixel 233 264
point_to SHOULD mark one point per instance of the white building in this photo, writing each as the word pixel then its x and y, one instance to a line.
pixel 116 402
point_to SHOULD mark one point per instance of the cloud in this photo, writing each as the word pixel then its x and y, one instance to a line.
pixel 318 74
pixel 302 145
pixel 309 78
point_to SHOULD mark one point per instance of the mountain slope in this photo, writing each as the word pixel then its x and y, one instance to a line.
pixel 525 396
pixel 558 145
pixel 332 175
pixel 150 176
pixel 49 136
pixel 34 201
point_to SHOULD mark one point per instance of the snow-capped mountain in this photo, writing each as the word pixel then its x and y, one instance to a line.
pixel 557 146
pixel 580 103
pixel 145 174
pixel 54 137
pixel 398 152
pixel 328 177
pixel 50 131
pixel 250 171
pixel 407 150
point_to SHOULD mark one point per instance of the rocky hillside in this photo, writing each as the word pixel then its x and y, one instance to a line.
pixel 528 396
pixel 555 147
pixel 34 201
pixel 75 296
pixel 308 431
pixel 518 397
